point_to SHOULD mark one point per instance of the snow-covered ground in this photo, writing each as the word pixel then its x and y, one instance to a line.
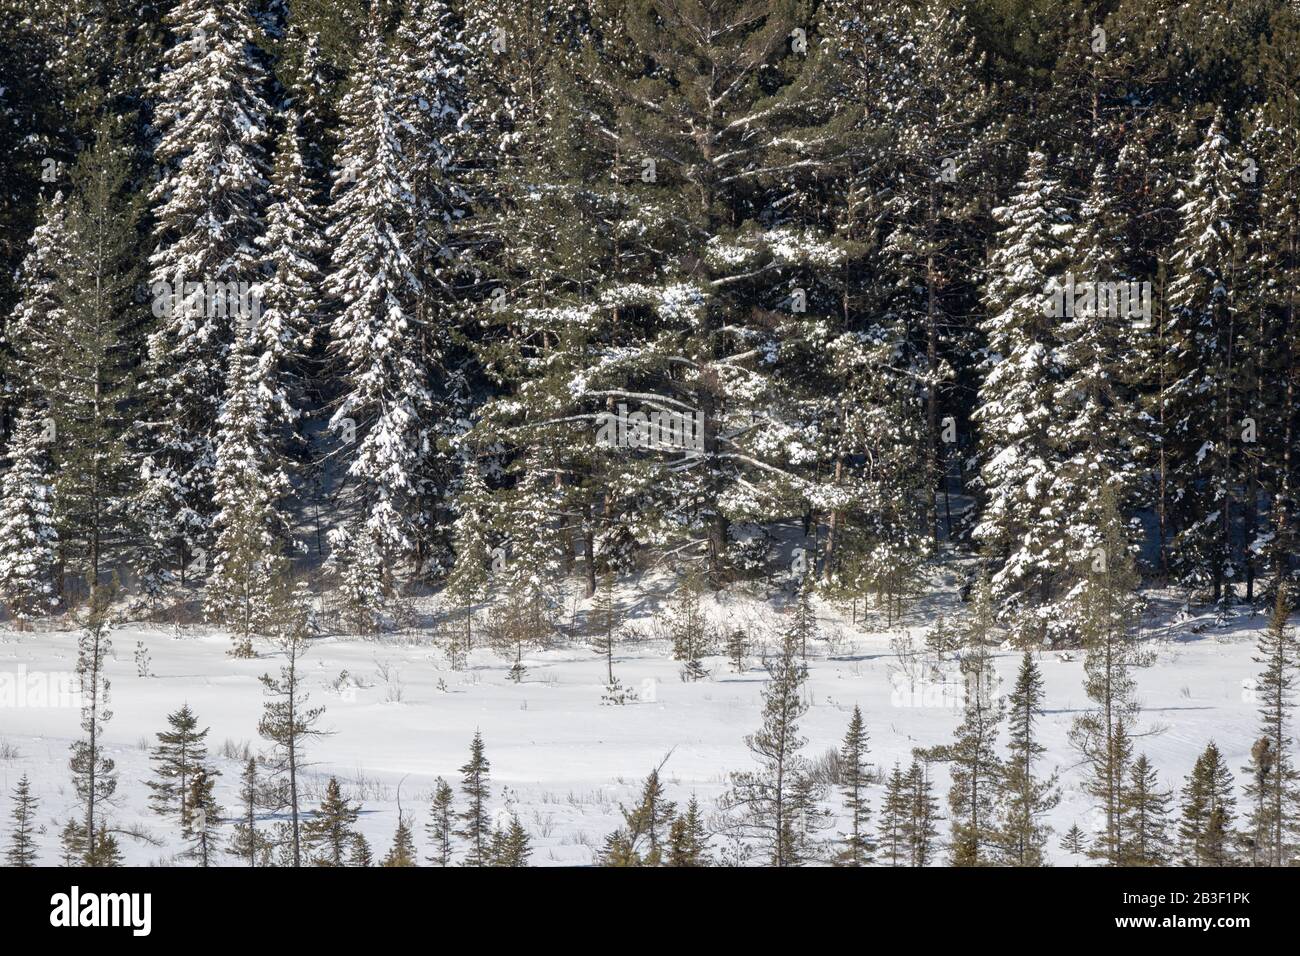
pixel 561 760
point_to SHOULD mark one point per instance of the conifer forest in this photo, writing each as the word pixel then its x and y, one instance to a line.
pixel 649 433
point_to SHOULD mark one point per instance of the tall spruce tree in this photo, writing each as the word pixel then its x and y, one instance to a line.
pixel 1026 797
pixel 212 122
pixel 855 775
pixel 476 828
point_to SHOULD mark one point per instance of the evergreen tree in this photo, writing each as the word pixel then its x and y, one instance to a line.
pixel 22 848
pixel 921 823
pixel 382 414
pixel 439 827
pixel 362 855
pixel 1106 608
pixel 329 835
pixel 1074 842
pixel 289 296
pixel 1144 808
pixel 77 351
pixel 250 527
pixel 1272 790
pixel 28 565
pixel 180 754
pixel 511 847
pixel 688 843
pixel 895 812
pixel 764 802
pixel 976 771
pixel 247 843
pixel 402 852
pixel 855 775
pixel 94 774
pixel 204 818
pixel 649 823
pixel 287 723
pixel 1206 339
pixel 212 123
pixel 605 623
pixel 476 828
pixel 689 628
pixel 1026 797
pixel 1020 522
pixel 468 579
pixel 72 841
pixel 1205 832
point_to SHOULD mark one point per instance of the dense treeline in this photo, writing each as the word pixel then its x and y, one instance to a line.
pixel 395 288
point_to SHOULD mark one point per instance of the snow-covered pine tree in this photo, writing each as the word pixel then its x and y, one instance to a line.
pixel 1205 828
pixel 428 60
pixel 29 563
pixel 1021 520
pixel 289 296
pixel 855 776
pixel 1026 797
pixel 381 419
pixel 938 124
pixel 1206 338
pixel 21 850
pixel 250 488
pixel 467 582
pixel 762 803
pixel 212 121
pixel 476 827
pixel 1097 433
pixel 181 752
pixel 329 835
pixel 1273 146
